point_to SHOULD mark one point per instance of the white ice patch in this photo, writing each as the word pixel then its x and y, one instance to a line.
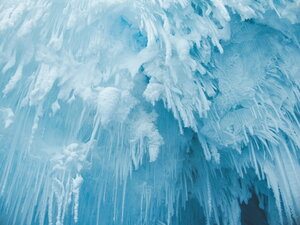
pixel 145 135
pixel 7 116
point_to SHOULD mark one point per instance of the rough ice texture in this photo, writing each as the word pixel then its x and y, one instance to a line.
pixel 149 112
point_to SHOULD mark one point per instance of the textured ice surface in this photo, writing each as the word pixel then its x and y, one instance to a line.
pixel 154 112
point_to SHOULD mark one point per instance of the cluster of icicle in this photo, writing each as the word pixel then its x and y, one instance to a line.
pixel 149 111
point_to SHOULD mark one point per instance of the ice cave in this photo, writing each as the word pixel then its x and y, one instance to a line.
pixel 150 112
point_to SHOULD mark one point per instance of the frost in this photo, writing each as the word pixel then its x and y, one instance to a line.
pixel 145 135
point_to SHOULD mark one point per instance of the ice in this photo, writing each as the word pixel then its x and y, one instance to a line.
pixel 7 117
pixel 175 112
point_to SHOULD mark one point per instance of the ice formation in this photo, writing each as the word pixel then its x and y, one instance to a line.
pixel 155 112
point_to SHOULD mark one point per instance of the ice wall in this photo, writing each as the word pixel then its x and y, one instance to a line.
pixel 149 112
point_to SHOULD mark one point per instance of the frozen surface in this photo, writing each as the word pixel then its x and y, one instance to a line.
pixel 155 112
